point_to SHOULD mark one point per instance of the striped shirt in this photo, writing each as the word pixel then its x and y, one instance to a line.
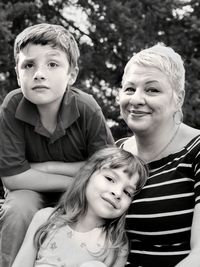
pixel 160 217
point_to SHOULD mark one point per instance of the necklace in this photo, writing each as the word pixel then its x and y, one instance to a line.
pixel 166 146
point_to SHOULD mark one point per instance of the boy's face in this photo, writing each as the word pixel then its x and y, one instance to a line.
pixel 43 74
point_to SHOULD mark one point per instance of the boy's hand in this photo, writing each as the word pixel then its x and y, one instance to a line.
pixel 93 264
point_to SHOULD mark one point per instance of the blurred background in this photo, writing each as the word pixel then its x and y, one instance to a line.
pixel 109 32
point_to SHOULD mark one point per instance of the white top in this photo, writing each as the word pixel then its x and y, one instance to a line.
pixel 65 247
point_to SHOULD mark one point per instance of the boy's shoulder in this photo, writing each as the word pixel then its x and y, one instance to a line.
pixel 12 98
pixel 84 99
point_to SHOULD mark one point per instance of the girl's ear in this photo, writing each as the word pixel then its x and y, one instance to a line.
pixel 73 75
pixel 17 73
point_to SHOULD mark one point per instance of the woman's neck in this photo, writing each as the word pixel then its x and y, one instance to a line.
pixel 152 146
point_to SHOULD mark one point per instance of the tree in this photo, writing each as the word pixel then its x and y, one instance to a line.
pixel 114 30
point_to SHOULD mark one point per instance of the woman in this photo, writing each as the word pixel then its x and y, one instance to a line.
pixel 164 220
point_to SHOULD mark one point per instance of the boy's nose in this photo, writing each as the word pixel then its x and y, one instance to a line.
pixel 39 75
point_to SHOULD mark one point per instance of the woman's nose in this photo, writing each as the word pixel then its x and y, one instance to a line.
pixel 137 97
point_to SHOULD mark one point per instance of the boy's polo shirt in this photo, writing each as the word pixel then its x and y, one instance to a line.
pixel 81 130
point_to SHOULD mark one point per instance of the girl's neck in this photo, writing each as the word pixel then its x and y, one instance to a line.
pixel 86 225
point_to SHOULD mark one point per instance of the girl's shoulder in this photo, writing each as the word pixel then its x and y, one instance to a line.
pixel 42 215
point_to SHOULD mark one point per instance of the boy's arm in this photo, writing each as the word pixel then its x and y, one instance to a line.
pixel 37 181
pixel 58 167
pixel 27 253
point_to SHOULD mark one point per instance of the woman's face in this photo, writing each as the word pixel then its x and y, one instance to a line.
pixel 147 99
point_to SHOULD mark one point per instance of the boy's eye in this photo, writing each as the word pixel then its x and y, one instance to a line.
pixel 28 65
pixel 53 64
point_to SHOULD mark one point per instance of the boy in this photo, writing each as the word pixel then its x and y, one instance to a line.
pixel 47 130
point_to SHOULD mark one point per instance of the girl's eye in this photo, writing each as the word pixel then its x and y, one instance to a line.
pixel 109 179
pixel 128 193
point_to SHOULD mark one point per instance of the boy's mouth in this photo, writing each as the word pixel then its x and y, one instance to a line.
pixel 40 87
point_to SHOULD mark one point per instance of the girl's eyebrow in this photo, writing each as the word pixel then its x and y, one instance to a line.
pixel 133 187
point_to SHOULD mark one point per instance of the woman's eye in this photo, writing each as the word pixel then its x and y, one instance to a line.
pixel 152 90
pixel 129 90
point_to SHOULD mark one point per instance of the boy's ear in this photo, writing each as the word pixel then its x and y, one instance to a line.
pixel 17 73
pixel 73 75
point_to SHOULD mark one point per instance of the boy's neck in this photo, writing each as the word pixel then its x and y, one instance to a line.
pixel 48 116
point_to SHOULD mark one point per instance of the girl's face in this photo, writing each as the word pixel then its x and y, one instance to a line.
pixel 147 99
pixel 109 193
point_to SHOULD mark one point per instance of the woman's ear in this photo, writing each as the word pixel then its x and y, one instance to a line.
pixel 17 74
pixel 73 75
pixel 181 96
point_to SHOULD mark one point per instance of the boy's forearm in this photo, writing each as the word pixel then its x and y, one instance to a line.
pixel 37 181
pixel 58 167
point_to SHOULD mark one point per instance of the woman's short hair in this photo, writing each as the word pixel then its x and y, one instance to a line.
pixel 166 60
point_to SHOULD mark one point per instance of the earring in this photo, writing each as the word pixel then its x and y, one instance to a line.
pixel 178 117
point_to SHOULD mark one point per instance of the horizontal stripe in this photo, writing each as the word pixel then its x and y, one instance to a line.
pixel 160 253
pixel 158 215
pixel 160 232
pixel 181 180
pixel 163 198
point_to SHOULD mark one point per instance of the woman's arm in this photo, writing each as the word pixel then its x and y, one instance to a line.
pixel 120 260
pixel 193 259
pixel 27 253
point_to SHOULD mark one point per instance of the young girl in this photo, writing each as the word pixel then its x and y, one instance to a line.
pixel 87 226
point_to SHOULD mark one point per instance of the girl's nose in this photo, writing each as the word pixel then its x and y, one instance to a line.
pixel 117 193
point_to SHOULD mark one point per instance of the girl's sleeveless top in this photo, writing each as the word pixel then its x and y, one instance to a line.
pixel 65 247
pixel 160 217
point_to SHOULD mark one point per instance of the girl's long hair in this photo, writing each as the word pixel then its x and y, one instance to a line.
pixel 73 203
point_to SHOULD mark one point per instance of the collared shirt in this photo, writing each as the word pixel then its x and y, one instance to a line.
pixel 81 130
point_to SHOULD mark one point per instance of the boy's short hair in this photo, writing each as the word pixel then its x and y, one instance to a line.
pixel 48 34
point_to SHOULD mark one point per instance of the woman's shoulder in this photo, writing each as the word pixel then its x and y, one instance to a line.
pixel 187 135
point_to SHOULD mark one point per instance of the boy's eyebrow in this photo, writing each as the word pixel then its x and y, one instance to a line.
pixel 53 53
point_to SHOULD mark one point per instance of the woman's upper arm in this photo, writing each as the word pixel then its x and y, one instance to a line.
pixel 195 231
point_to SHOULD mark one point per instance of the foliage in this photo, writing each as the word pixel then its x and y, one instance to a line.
pixel 113 31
